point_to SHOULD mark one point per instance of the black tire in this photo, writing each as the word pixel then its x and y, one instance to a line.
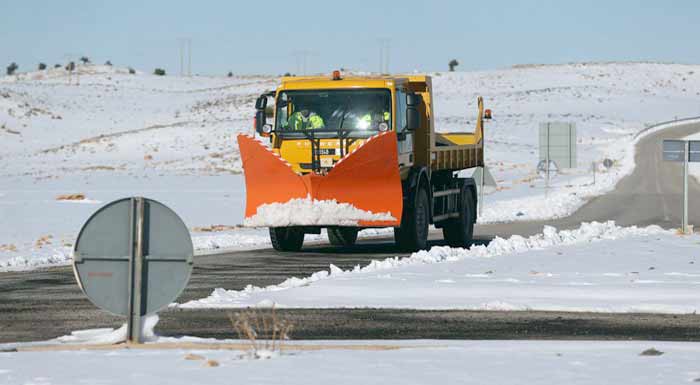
pixel 342 236
pixel 458 232
pixel 286 238
pixel 413 233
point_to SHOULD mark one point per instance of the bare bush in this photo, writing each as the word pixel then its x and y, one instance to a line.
pixel 263 329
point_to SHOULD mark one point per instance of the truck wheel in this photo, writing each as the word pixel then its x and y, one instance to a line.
pixel 413 233
pixel 342 236
pixel 458 232
pixel 286 238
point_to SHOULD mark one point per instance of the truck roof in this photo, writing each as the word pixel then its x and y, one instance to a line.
pixel 350 81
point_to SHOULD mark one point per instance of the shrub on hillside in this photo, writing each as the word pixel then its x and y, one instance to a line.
pixel 56 65
pixel 85 59
pixel 12 68
pixel 108 63
pixel 453 63
pixel 42 66
pixel 159 72
pixel 132 71
pixel 230 74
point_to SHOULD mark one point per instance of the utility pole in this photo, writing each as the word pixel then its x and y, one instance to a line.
pixel 189 57
pixel 684 223
pixel 185 47
pixel 301 60
pixel 181 47
pixel 384 50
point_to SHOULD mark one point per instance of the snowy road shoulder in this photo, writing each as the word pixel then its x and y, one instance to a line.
pixel 599 267
pixel 413 362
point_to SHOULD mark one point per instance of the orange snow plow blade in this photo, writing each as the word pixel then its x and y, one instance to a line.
pixel 367 178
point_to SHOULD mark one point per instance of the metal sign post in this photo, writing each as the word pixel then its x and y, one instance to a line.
pixel 132 258
pixel 682 151
pixel 557 142
pixel 684 223
pixel 133 328
pixel 483 178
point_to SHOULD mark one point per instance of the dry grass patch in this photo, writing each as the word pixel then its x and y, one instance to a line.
pixel 263 329
pixel 194 357
pixel 214 228
pixel 71 197
pixel 211 363
pixel 8 247
pixel 43 241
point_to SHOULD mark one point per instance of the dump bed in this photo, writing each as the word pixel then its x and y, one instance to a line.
pixel 445 151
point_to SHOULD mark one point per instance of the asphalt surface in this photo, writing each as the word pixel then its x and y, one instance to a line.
pixel 47 303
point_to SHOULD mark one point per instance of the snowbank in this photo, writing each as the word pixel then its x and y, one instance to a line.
pixel 108 335
pixel 611 269
pixel 311 212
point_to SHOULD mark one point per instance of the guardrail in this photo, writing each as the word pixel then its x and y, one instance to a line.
pixel 657 125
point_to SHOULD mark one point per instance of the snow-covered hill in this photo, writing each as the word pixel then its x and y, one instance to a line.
pixel 173 139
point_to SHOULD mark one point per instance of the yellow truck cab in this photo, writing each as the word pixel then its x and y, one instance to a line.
pixel 370 142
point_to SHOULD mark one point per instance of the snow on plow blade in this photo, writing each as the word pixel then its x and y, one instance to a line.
pixel 362 189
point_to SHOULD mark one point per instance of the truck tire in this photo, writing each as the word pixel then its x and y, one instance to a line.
pixel 286 238
pixel 458 232
pixel 413 233
pixel 342 236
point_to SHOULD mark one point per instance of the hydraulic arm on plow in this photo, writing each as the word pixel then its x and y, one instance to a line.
pixel 358 152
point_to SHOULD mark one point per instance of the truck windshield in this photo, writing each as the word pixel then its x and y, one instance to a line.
pixel 363 110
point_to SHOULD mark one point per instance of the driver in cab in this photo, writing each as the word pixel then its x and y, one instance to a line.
pixel 305 120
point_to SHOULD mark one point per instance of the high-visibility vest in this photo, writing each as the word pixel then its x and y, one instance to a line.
pixel 367 118
pixel 298 122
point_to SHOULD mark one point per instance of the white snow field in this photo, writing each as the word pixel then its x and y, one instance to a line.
pixel 369 362
pixel 173 139
pixel 599 267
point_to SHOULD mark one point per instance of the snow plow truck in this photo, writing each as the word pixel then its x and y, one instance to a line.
pixel 349 153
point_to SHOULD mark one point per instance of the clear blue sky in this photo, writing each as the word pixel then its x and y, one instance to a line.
pixel 261 36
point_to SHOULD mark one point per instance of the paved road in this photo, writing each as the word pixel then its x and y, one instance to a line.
pixel 47 303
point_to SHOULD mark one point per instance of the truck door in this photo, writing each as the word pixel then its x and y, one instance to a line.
pixel 405 137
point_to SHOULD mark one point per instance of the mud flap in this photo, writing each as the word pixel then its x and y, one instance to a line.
pixel 367 178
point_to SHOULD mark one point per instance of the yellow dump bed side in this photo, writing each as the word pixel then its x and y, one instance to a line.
pixel 445 151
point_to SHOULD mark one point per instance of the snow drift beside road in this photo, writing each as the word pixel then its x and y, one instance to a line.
pixel 597 267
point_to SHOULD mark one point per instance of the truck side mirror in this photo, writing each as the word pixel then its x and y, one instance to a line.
pixel 412 114
pixel 261 102
pixel 260 120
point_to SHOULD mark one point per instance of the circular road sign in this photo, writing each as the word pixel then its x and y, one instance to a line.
pixel 542 168
pixel 118 235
